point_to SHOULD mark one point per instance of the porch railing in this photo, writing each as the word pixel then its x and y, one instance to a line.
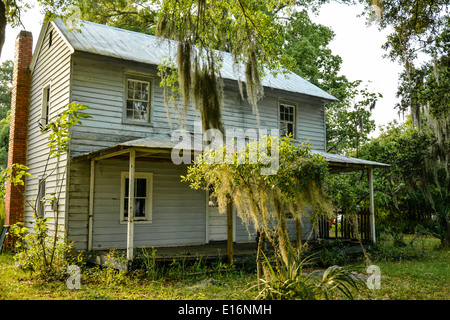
pixel 346 228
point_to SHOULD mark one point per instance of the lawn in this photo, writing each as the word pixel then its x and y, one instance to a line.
pixel 417 272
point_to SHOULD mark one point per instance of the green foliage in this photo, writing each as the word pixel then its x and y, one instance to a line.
pixel 415 189
pixel 295 186
pixel 250 30
pixel 349 122
pixel 39 252
pixel 333 252
pixel 59 136
pixel 136 15
pixel 43 251
pixel 4 140
pixel 15 175
pixel 415 24
pixel 308 44
pixel 6 72
pixel 286 281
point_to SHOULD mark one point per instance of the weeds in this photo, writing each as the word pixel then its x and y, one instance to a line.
pixel 286 281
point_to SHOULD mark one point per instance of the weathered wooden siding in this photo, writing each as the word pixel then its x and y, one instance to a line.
pixel 99 83
pixel 52 67
pixel 178 213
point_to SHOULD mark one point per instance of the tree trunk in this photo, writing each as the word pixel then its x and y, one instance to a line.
pixel 2 25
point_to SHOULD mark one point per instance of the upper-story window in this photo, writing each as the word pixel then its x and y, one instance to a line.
pixel 287 120
pixel 45 111
pixel 138 99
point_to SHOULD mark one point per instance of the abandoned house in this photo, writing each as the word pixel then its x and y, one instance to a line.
pixel 114 73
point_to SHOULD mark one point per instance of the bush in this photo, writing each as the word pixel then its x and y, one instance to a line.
pixel 43 253
pixel 286 281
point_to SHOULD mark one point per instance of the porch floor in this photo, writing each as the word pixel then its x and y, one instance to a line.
pixel 207 251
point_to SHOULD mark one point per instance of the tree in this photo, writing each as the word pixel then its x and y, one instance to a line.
pixel 10 13
pixel 265 201
pixel 136 15
pixel 6 71
pixel 410 192
pixel 307 43
pixel 423 26
pixel 348 120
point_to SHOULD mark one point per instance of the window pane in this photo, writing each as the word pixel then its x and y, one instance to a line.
pixel 130 94
pixel 141 188
pixel 138 95
pixel 139 208
pixel 290 128
pixel 127 189
pixel 283 128
pixel 143 112
pixel 125 208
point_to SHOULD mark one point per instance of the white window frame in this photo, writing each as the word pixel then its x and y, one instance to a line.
pixel 148 198
pixel 149 101
pixel 294 122
pixel 46 105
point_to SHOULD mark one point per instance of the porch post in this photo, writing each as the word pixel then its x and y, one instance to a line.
pixel 130 224
pixel 230 231
pixel 372 205
pixel 298 228
pixel 91 204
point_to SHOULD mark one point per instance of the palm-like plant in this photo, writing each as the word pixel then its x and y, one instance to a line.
pixel 287 281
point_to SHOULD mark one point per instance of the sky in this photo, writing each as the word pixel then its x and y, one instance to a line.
pixel 357 44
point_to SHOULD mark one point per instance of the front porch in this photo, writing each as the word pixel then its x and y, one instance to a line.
pixel 157 150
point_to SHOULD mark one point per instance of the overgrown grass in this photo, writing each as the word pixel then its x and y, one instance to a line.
pixel 102 283
pixel 417 271
pixel 414 272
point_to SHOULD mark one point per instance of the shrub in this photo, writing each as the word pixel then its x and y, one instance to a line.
pixel 40 252
pixel 286 281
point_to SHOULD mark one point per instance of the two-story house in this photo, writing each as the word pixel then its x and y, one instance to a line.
pixel 114 72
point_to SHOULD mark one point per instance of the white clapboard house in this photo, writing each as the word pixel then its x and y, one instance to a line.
pixel 113 71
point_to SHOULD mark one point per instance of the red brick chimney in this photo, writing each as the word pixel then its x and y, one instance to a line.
pixel 18 130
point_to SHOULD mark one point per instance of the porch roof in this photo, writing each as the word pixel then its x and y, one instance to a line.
pixel 161 145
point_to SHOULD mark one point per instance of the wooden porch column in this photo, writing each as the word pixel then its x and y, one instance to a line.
pixel 230 231
pixel 91 204
pixel 298 228
pixel 130 224
pixel 372 205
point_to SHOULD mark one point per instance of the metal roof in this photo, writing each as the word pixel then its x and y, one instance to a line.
pixel 128 45
pixel 162 143
pixel 342 163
